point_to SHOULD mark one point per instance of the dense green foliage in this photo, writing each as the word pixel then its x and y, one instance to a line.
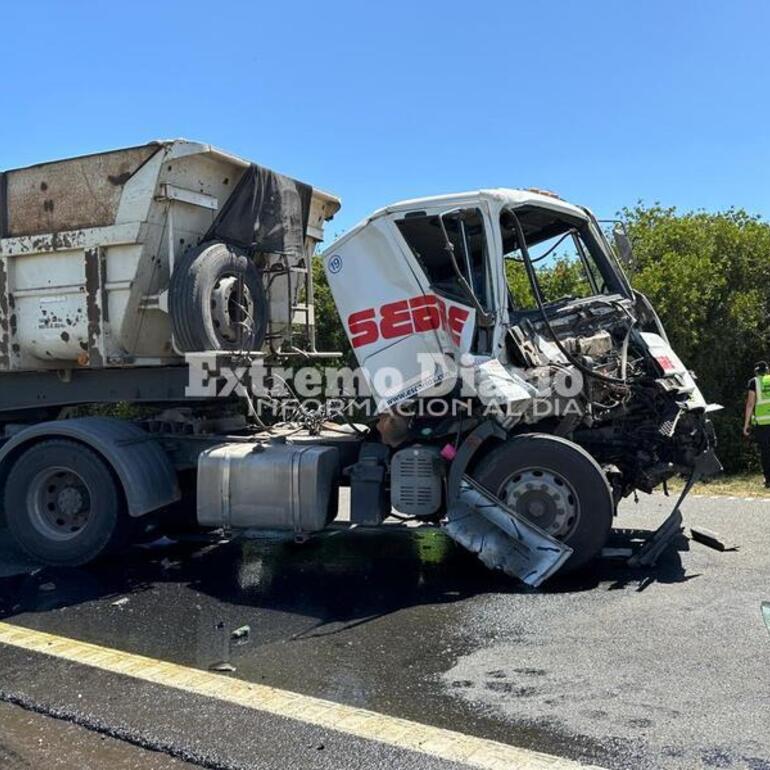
pixel 563 278
pixel 708 276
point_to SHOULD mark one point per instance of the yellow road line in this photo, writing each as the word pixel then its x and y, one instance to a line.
pixel 370 725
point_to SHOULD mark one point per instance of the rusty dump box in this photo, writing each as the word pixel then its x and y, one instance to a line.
pixel 88 245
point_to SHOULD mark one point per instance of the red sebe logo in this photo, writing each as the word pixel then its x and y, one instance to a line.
pixel 407 316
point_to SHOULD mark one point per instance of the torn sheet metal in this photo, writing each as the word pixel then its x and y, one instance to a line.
pixel 656 543
pixel 498 386
pixel 501 538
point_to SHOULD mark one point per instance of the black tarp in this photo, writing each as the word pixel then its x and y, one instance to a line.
pixel 266 212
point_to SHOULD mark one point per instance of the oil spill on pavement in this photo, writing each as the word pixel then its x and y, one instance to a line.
pixel 368 618
pixel 678 668
pixel 656 669
pixel 663 669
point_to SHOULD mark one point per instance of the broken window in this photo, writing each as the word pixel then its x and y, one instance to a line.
pixel 465 229
pixel 565 256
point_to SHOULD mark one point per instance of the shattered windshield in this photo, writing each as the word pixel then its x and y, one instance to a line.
pixel 466 232
pixel 565 255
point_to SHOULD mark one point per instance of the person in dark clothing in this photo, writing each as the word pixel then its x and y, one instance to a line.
pixel 757 414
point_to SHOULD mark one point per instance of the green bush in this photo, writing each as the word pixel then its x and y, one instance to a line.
pixel 708 276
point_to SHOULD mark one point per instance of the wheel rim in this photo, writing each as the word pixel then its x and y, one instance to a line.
pixel 545 498
pixel 230 316
pixel 59 503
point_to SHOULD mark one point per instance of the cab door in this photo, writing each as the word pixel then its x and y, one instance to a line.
pixel 407 335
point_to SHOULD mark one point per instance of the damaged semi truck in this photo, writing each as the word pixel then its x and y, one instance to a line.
pixel 556 403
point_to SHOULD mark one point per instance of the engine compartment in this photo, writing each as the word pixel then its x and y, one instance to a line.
pixel 641 416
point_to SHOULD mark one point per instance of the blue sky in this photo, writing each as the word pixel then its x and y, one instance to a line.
pixel 604 102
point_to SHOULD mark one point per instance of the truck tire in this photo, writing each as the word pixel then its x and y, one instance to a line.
pixel 206 313
pixel 555 484
pixel 63 505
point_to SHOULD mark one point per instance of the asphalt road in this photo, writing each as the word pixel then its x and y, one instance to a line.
pixel 664 668
pixel 29 740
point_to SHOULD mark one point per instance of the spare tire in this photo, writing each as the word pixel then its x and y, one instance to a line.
pixel 217 300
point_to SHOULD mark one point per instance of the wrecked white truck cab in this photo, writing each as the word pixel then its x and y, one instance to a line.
pixel 511 304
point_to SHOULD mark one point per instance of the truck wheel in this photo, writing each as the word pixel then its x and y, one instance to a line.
pixel 62 504
pixel 208 310
pixel 555 484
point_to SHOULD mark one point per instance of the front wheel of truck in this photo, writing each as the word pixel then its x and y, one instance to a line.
pixel 556 485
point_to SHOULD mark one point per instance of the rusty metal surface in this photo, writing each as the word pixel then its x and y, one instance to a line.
pixel 41 243
pixel 70 194
pixel 94 269
pixel 3 204
pixel 4 321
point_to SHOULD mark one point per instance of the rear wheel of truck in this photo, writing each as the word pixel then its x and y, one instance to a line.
pixel 217 300
pixel 63 505
pixel 556 485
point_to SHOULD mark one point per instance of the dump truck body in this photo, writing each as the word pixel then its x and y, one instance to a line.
pixel 88 247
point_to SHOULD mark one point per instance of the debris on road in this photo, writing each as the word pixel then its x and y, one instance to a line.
pixel 120 602
pixel 711 539
pixel 222 667
pixel 48 586
pixel 241 635
pixel 616 553
pixel 654 546
pixel 766 614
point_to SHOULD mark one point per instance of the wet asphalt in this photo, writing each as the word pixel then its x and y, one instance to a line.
pixel 660 668
pixel 29 740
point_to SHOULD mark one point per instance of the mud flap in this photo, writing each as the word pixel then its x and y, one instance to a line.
pixel 500 537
